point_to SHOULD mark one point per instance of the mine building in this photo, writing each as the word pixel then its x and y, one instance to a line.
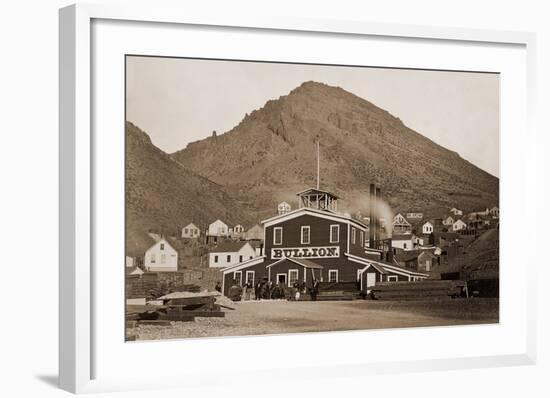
pixel 315 242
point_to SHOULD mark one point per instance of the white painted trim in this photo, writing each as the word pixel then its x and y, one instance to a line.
pixel 302 228
pixel 241 277
pixel 348 238
pixel 297 275
pixel 275 235
pixel 314 212
pixel 253 276
pixel 337 276
pixel 353 236
pixel 387 267
pixel 277 278
pixel 246 264
pixel 394 278
pixel 337 235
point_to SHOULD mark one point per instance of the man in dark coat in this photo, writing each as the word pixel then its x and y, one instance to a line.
pixel 314 290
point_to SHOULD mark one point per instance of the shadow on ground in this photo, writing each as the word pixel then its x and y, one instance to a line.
pixel 51 380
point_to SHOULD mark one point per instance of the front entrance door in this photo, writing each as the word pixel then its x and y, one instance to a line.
pixel 281 278
pixel 371 279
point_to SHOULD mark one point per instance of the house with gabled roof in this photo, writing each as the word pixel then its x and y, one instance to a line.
pixel 459 225
pixel 448 221
pixel 400 224
pixel 283 208
pixel 456 212
pixel 190 231
pixel 161 257
pixel 229 253
pixel 427 228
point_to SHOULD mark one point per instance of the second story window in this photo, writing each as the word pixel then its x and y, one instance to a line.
pixel 334 233
pixel 215 259
pixel 229 258
pixel 162 246
pixel 305 234
pixel 353 235
pixel 278 235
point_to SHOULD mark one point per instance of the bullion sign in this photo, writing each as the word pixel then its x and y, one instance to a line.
pixel 306 252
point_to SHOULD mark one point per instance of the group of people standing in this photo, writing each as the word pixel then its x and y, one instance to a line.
pixel 266 289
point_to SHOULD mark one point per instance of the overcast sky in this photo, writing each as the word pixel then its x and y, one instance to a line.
pixel 177 101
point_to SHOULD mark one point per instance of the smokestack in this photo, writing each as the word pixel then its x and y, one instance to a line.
pixel 372 194
pixel 377 217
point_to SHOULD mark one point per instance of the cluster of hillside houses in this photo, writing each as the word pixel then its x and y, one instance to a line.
pixel 316 241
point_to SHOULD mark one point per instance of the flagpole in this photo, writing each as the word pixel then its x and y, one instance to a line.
pixel 317 163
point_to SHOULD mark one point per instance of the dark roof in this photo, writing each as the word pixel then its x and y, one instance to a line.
pixel 315 191
pixel 401 236
pixel 406 255
pixel 228 247
pixel 316 212
pixel 300 261
pixel 446 235
pixel 306 263
pixel 254 243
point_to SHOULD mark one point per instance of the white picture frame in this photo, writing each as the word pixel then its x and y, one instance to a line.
pixel 82 348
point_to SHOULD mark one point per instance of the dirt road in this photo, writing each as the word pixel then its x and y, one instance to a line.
pixel 275 317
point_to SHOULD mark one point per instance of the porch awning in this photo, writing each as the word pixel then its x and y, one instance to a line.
pixel 299 261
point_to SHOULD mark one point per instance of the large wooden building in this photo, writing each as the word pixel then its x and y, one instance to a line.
pixel 315 242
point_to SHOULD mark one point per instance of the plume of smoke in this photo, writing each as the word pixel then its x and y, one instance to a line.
pixel 360 205
pixel 384 211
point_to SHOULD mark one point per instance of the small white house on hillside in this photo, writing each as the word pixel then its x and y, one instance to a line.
pixel 161 257
pixel 283 208
pixel 494 212
pixel 190 231
pixel 459 225
pixel 402 241
pixel 427 228
pixel 448 221
pixel 456 212
pixel 218 228
pixel 230 253
pixel 238 229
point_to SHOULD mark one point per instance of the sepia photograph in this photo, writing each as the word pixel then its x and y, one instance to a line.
pixel 267 198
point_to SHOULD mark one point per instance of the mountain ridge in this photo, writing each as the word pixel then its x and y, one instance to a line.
pixel 270 155
pixel 164 196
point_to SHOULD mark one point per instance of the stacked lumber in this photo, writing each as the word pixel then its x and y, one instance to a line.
pixel 421 290
pixel 179 307
pixel 338 286
pixel 334 295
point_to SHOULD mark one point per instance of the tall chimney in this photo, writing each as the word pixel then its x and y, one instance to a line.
pixel 372 194
pixel 377 219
